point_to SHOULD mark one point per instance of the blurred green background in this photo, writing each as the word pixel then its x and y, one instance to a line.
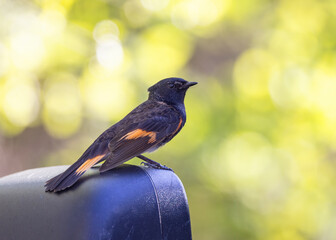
pixel 258 153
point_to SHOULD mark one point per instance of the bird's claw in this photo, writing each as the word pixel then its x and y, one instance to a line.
pixel 145 164
pixel 158 166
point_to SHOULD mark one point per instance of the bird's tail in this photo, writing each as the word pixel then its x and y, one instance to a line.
pixel 72 174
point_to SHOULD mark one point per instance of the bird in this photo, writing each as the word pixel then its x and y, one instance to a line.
pixel 146 128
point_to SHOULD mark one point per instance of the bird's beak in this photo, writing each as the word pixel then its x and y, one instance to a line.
pixel 189 84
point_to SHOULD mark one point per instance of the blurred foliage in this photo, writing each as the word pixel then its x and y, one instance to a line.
pixel 259 148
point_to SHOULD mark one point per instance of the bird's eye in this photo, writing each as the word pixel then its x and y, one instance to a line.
pixel 177 84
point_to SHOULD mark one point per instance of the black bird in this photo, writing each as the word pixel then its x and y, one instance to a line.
pixel 148 127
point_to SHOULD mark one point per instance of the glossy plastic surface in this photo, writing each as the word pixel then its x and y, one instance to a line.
pixel 129 202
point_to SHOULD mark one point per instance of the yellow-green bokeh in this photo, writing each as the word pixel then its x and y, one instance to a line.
pixel 257 155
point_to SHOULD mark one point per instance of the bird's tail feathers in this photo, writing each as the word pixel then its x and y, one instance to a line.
pixel 72 174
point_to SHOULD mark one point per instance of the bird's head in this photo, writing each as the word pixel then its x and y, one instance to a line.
pixel 170 90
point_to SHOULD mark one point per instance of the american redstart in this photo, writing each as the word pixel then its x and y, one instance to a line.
pixel 148 127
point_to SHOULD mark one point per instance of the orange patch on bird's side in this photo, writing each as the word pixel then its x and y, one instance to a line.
pixel 178 127
pixel 137 133
pixel 88 164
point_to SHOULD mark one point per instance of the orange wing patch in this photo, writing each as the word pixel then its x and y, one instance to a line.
pixel 88 164
pixel 178 127
pixel 137 133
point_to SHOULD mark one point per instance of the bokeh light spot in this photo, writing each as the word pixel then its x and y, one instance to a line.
pixel 4 60
pixel 154 5
pixel 136 14
pixel 62 110
pixel 106 98
pixel 21 103
pixel 324 93
pixel 110 53
pixel 252 73
pixel 27 50
pixel 162 51
pixel 291 88
pixel 189 14
pixel 105 29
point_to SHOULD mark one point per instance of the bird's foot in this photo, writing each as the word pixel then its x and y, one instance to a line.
pixel 156 166
pixel 150 163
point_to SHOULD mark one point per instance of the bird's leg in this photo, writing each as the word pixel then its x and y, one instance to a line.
pixel 150 163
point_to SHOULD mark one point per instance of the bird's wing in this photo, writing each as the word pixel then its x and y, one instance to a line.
pixel 141 136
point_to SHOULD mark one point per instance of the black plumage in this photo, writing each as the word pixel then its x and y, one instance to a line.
pixel 146 128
